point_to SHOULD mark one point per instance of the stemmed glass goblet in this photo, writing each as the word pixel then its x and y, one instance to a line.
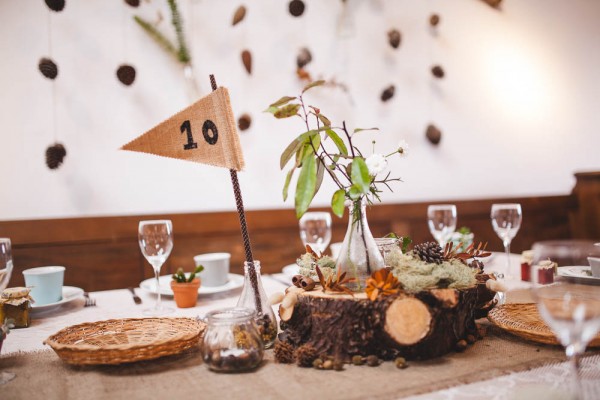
pixel 441 219
pixel 506 221
pixel 315 230
pixel 156 242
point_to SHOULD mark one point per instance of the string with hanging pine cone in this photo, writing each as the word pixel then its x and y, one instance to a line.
pixel 55 155
pixel 429 252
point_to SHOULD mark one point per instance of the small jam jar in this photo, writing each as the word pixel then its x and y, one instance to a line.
pixel 231 341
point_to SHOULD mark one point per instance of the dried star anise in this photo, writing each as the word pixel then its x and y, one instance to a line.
pixel 382 282
pixel 337 284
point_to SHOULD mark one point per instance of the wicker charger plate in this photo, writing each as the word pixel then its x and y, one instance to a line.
pixel 118 341
pixel 524 320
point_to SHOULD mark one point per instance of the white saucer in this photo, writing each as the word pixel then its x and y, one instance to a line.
pixel 579 273
pixel 291 270
pixel 69 294
pixel 164 282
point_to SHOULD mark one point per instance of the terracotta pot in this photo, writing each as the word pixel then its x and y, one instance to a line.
pixel 186 294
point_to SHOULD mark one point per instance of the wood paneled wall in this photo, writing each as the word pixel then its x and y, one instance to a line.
pixel 102 253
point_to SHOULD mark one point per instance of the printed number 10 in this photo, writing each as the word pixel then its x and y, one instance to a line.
pixel 208 125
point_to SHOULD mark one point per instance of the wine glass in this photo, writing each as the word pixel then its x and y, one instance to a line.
pixel 315 230
pixel 6 264
pixel 572 311
pixel 506 221
pixel 156 243
pixel 441 219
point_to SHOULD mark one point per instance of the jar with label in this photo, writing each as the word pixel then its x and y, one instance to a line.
pixel 231 341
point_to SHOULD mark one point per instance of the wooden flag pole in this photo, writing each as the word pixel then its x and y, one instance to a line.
pixel 240 208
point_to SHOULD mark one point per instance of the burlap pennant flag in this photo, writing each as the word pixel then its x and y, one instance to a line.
pixel 205 132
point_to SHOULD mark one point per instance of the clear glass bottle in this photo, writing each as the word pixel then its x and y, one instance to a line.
pixel 231 342
pixel 254 297
pixel 359 256
pixel 386 245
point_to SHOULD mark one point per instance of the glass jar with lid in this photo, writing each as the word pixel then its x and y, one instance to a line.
pixel 231 342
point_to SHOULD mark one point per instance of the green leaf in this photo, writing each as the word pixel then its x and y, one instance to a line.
pixel 355 192
pixel 337 202
pixel 406 241
pixel 305 187
pixel 365 129
pixel 282 101
pixel 391 235
pixel 324 120
pixel 338 141
pixel 360 174
pixel 312 85
pixel 290 151
pixel 288 178
pixel 287 111
pixel 320 172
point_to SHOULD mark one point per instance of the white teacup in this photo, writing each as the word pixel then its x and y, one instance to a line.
pixel 216 268
pixel 595 265
pixel 46 283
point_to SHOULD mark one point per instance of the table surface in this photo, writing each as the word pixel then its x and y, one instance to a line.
pixel 119 304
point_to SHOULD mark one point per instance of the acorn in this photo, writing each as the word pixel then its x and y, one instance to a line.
pixel 247 61
pixel 400 363
pixel 434 20
pixel 338 365
pixel 133 3
pixel 437 71
pixel 388 93
pixel 394 38
pixel 433 134
pixel 357 360
pixel 55 155
pixel 318 363
pixel 461 345
pixel 48 68
pixel 296 7
pixel 303 57
pixel 55 5
pixel 239 15
pixel 372 361
pixel 328 364
pixel 244 122
pixel 126 74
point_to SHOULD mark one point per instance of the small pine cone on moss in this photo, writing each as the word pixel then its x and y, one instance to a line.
pixel 48 68
pixel 305 355
pixel 284 352
pixel 430 252
pixel 55 155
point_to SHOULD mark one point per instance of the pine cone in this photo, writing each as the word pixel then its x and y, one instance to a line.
pixel 55 155
pixel 244 122
pixel 388 93
pixel 305 355
pixel 55 5
pixel 303 58
pixel 437 71
pixel 394 38
pixel 133 3
pixel 430 252
pixel 126 74
pixel 48 68
pixel 296 7
pixel 284 352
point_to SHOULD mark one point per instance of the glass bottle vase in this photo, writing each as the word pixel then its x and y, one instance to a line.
pixel 359 256
pixel 254 297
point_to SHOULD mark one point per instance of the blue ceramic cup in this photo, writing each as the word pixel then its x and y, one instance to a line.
pixel 46 284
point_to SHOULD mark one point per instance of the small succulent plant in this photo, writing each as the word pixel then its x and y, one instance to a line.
pixel 180 277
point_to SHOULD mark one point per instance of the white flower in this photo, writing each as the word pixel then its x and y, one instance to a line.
pixel 376 163
pixel 403 148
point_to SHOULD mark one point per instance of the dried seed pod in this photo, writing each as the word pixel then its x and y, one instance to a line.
pixel 303 58
pixel 434 20
pixel 247 61
pixel 433 134
pixel 55 5
pixel 244 122
pixel 357 360
pixel 296 279
pixel 338 365
pixel 296 7
pixel 461 345
pixel 328 364
pixel 400 362
pixel 239 15
pixel 372 360
pixel 133 3
pixel 55 155
pixel 388 93
pixel 437 71
pixel 318 363
pixel 126 74
pixel 394 38
pixel 307 283
pixel 48 68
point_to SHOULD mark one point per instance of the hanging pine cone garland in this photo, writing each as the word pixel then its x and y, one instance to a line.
pixel 55 5
pixel 55 155
pixel 434 19
pixel 247 61
pixel 133 3
pixel 394 38
pixel 303 58
pixel 433 134
pixel 430 252
pixel 126 74
pixel 244 122
pixel 388 93
pixel 296 7
pixel 438 71
pixel 48 68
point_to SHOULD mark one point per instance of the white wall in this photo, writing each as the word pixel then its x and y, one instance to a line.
pixel 519 108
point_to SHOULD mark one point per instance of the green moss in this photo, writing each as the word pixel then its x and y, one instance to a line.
pixel 307 263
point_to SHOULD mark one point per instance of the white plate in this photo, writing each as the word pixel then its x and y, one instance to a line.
pixel 578 272
pixel 291 270
pixel 164 282
pixel 69 294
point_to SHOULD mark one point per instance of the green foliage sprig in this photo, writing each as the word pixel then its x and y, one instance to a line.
pixel 180 52
pixel 180 277
pixel 343 161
